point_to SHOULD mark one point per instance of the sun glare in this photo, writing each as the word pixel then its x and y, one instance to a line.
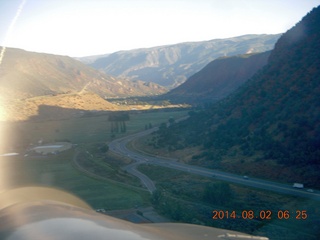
pixel 3 118
pixel 3 112
pixel 2 139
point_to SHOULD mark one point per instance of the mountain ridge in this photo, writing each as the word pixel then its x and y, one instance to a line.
pixel 27 74
pixel 29 81
pixel 171 65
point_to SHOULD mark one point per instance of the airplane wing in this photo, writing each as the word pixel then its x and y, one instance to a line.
pixel 46 213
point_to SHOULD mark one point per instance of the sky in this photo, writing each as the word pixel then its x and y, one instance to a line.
pixel 79 28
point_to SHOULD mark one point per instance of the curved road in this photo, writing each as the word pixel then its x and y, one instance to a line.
pixel 119 146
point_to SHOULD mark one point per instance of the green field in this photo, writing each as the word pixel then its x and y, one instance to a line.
pixel 59 170
pixel 94 128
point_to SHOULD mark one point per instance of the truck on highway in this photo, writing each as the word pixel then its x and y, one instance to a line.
pixel 298 185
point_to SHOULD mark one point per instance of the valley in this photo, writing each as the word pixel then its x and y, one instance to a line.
pixel 119 146
pixel 222 133
pixel 93 172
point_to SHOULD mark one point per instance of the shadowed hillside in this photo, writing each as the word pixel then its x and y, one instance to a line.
pixel 218 79
pixel 270 126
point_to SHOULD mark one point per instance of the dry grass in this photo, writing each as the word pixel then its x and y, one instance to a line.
pixel 62 106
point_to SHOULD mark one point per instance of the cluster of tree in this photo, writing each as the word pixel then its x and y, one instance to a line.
pixel 165 137
pixel 118 121
pixel 148 126
pixel 218 193
pixel 200 209
pixel 180 210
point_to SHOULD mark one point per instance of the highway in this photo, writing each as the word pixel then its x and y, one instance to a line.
pixel 119 146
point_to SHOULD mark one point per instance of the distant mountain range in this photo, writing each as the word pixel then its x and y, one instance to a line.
pixel 171 65
pixel 270 126
pixel 218 79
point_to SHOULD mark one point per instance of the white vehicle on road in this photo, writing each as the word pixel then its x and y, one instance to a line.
pixel 298 185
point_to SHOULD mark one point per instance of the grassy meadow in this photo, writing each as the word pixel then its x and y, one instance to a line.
pixel 86 129
pixel 100 190
pixel 59 172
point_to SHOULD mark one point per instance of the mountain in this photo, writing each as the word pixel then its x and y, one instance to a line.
pixel 171 65
pixel 27 74
pixel 90 59
pixel 270 126
pixel 218 79
pixel 36 83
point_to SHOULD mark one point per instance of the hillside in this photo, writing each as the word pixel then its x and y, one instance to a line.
pixel 27 74
pixel 218 79
pixel 270 126
pixel 53 107
pixel 171 65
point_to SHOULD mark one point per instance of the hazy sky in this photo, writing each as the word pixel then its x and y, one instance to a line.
pixel 90 27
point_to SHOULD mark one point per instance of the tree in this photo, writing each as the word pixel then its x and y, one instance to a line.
pixel 171 120
pixel 118 121
pixel 157 197
pixel 217 193
pixel 104 148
